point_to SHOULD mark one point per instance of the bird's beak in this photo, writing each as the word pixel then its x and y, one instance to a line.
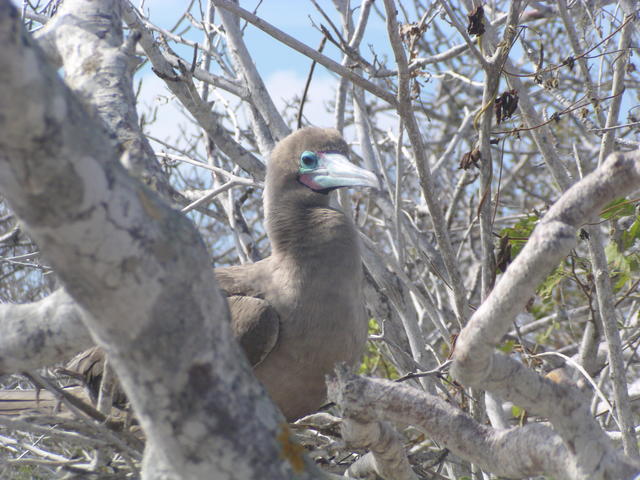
pixel 336 171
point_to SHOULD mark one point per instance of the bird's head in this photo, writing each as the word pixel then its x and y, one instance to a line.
pixel 310 163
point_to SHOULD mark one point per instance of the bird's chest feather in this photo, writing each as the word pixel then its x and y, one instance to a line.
pixel 317 290
pixel 321 312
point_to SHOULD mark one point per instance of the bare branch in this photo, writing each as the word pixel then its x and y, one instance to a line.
pixel 42 333
pixel 305 50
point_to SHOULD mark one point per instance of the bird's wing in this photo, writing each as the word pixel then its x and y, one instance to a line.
pixel 88 367
pixel 255 324
pixel 254 321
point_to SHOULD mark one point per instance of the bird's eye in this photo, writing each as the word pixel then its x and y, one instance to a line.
pixel 308 160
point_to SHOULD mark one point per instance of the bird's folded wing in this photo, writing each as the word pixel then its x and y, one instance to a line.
pixel 88 367
pixel 254 321
pixel 255 324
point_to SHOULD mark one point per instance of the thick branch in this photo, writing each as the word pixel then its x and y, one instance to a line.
pixel 41 333
pixel 601 271
pixel 514 453
pixel 475 364
pixel 549 243
pixel 606 306
pixel 105 84
pixel 142 272
pixel 387 457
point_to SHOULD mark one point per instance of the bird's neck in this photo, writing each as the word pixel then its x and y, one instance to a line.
pixel 312 234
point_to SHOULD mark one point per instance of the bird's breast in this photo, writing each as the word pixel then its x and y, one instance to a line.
pixel 326 321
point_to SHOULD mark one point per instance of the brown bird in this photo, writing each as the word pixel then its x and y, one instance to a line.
pixel 299 311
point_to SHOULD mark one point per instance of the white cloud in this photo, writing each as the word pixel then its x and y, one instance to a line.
pixel 285 85
pixel 155 96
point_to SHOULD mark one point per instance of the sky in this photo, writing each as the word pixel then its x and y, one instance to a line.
pixel 284 70
pixel 291 16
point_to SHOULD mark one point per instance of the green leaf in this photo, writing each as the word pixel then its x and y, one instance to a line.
pixel 618 208
pixel 542 338
pixel 621 265
pixel 373 362
pixel 545 290
pixel 618 261
pixel 517 411
pixel 632 235
pixel 520 232
pixel 507 347
pixel 620 281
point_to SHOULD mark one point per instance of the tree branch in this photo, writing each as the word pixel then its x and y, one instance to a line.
pixel 245 68
pixel 41 333
pixel 427 184
pixel 475 364
pixel 514 453
pixel 190 98
pixel 142 272
pixel 306 50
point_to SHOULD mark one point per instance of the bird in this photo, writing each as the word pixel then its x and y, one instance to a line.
pixel 300 311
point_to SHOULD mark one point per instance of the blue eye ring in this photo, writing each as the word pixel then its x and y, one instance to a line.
pixel 308 160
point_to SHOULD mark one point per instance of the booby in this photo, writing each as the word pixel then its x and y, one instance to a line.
pixel 299 311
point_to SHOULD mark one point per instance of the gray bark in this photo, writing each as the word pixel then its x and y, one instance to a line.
pixel 140 271
pixel 137 277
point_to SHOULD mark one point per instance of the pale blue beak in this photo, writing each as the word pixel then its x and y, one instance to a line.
pixel 334 170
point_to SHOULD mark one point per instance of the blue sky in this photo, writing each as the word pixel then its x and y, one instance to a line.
pixel 291 16
pixel 284 70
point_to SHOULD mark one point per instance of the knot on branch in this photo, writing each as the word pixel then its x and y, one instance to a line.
pixel 473 363
pixel 627 164
pixel 346 390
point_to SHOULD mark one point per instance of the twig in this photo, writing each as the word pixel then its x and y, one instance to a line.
pixel 308 51
pixel 308 83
